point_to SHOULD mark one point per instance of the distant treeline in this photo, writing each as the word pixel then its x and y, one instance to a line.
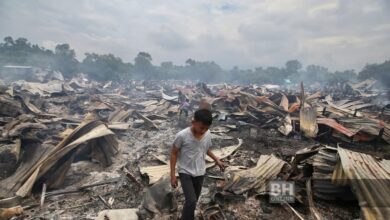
pixel 109 67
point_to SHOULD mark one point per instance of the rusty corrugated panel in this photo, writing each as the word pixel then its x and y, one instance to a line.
pixel 369 179
pixel 338 127
pixel 368 128
pixel 293 107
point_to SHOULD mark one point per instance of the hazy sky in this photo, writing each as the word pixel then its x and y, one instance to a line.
pixel 339 34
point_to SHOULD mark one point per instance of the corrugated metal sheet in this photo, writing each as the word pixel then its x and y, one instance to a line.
pixel 224 152
pixel 267 168
pixel 308 121
pixel 332 107
pixel 169 98
pixel 156 172
pixel 338 127
pixel 120 115
pixel 369 179
pixel 323 166
pixel 386 134
pixel 364 84
pixel 52 164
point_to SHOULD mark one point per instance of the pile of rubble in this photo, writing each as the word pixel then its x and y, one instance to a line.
pixel 82 149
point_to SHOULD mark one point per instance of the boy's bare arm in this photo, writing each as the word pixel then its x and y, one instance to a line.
pixel 173 160
pixel 215 158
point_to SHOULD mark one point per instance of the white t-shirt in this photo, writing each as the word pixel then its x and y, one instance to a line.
pixel 192 152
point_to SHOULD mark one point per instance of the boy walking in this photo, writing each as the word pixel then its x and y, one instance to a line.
pixel 189 151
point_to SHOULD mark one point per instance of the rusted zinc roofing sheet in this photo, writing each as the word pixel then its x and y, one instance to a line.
pixel 369 179
pixel 368 128
pixel 333 124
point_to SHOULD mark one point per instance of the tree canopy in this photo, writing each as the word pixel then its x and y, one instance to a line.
pixel 105 67
pixel 381 72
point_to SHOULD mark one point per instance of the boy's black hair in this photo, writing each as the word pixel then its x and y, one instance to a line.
pixel 204 116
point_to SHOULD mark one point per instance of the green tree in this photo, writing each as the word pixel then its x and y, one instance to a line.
pixel 167 65
pixel 293 66
pixel 315 73
pixel 21 52
pixel 190 62
pixel 380 72
pixel 292 69
pixel 143 66
pixel 105 67
pixel 341 77
pixel 8 41
pixel 206 71
pixel 65 60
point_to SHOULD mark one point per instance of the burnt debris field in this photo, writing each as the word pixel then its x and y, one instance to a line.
pixel 205 110
pixel 81 149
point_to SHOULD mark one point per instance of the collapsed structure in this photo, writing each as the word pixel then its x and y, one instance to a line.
pixel 92 150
